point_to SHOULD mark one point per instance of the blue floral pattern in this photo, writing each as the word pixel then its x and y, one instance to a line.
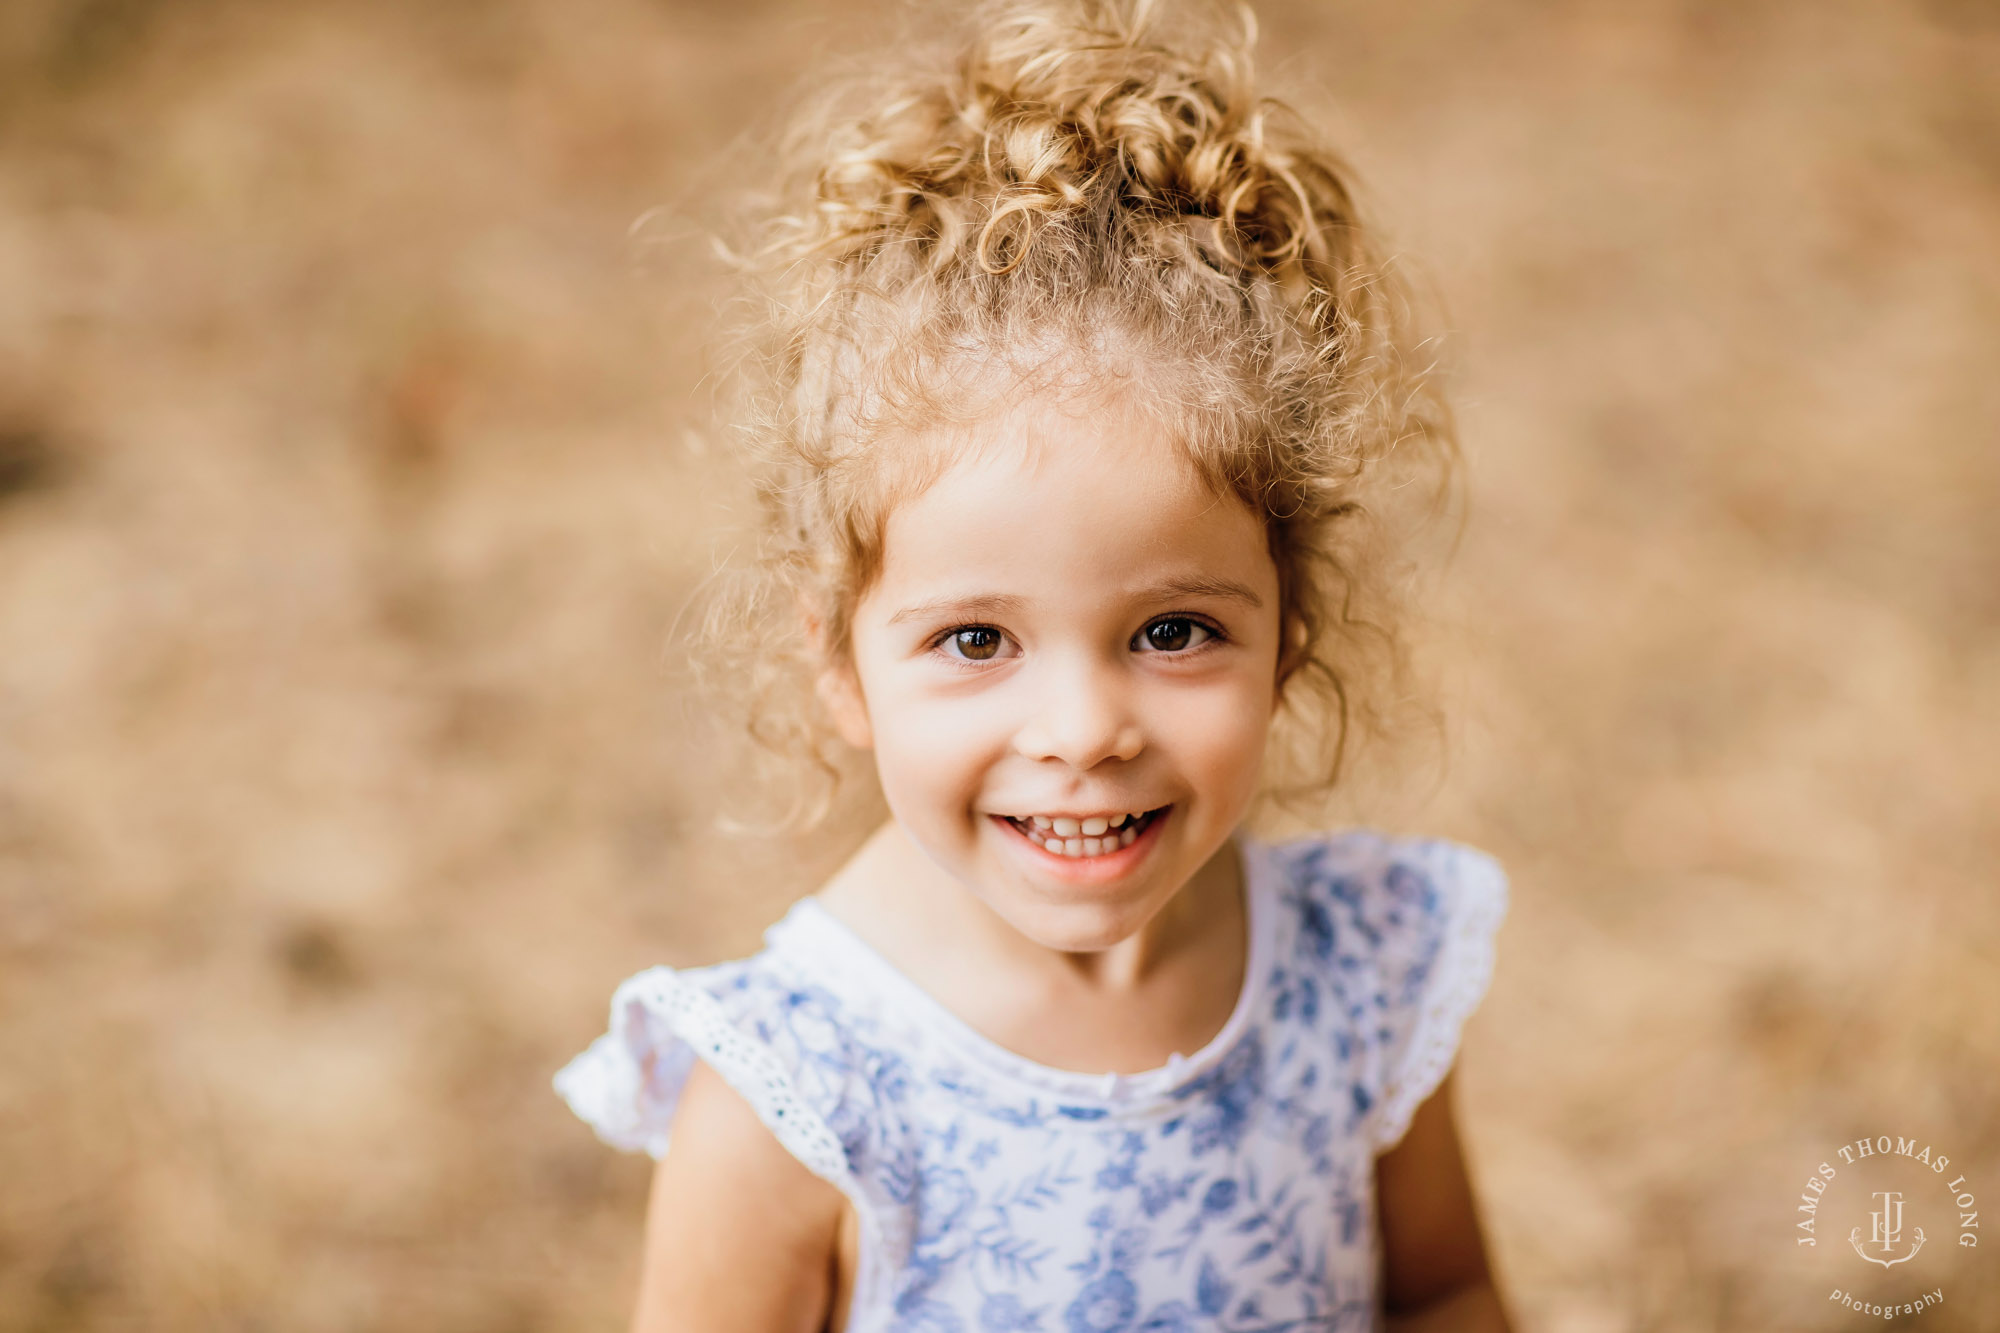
pixel 1234 1196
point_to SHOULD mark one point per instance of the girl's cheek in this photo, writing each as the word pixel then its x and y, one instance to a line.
pixel 1223 718
pixel 1221 738
pixel 936 750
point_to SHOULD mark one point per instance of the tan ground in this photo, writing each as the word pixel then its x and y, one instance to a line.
pixel 346 504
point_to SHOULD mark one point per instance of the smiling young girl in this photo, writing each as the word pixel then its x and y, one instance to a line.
pixel 1081 376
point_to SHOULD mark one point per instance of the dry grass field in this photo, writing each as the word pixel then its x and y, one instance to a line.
pixel 350 489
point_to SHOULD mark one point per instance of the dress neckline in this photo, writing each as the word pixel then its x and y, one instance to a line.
pixel 824 943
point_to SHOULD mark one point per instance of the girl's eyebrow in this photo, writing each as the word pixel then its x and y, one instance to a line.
pixel 1002 604
pixel 982 604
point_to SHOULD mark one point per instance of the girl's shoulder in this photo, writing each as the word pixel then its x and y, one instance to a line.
pixel 1387 945
pixel 774 1031
pixel 816 1056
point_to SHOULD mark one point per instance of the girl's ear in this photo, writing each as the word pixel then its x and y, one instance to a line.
pixel 1291 654
pixel 841 693
pixel 836 684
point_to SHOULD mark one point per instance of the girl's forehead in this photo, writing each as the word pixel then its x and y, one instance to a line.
pixel 1066 497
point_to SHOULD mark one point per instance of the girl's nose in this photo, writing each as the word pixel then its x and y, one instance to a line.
pixel 1081 713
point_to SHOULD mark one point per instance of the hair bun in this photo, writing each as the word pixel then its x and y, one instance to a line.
pixel 1083 115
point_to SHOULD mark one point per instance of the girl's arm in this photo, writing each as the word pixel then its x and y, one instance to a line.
pixel 1435 1272
pixel 740 1236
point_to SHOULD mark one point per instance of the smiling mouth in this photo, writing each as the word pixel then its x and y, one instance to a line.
pixel 1067 837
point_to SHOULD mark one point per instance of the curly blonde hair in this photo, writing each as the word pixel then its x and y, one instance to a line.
pixel 1072 193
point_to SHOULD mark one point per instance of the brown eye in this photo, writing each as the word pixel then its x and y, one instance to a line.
pixel 977 643
pixel 1175 633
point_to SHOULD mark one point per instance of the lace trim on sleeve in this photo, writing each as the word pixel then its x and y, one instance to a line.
pixel 626 1084
pixel 1474 891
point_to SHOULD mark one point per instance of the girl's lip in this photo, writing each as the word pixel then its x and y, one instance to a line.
pixel 1101 869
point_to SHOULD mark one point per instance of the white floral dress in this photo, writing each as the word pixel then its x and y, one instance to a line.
pixel 1230 1190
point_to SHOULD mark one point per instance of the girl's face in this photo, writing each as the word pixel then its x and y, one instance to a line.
pixel 1066 671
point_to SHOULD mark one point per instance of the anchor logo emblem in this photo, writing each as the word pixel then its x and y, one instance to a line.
pixel 1887 1232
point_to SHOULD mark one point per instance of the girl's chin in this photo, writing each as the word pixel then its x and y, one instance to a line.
pixel 1075 927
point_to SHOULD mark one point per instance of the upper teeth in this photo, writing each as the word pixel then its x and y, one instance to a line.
pixel 1094 827
pixel 1099 835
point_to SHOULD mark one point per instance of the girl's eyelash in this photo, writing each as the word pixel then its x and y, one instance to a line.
pixel 1215 632
pixel 963 663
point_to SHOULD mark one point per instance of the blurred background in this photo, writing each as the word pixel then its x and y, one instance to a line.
pixel 348 500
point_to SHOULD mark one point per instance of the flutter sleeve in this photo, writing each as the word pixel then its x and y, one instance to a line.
pixel 1406 927
pixel 788 1046
pixel 1442 904
pixel 628 1082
